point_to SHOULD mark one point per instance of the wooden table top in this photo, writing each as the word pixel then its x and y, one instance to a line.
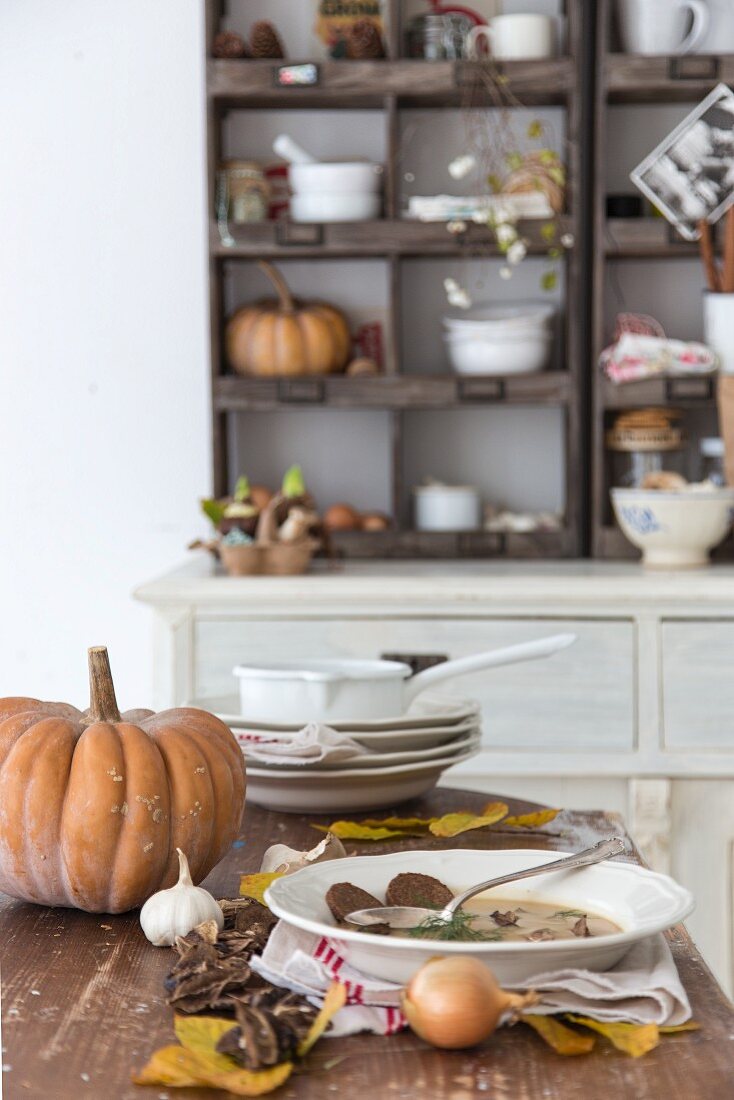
pixel 83 1003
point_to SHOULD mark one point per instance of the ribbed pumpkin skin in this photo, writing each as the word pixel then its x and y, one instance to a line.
pixel 266 340
pixel 91 816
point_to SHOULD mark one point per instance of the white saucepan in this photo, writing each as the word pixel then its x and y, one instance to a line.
pixel 346 690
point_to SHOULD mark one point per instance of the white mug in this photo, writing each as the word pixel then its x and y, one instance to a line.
pixel 515 37
pixel 720 35
pixel 653 27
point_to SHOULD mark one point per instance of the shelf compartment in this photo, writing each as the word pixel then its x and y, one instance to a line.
pixel 688 391
pixel 630 78
pixel 452 544
pixel 234 394
pixel 386 237
pixel 366 83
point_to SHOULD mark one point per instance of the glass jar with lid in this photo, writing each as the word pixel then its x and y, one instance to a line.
pixel 438 36
pixel 246 191
pixel 711 450
pixel 645 442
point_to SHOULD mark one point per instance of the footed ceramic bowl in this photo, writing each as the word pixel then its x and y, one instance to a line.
pixel 674 530
pixel 639 901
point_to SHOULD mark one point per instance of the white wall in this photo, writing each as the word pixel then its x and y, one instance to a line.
pixel 104 421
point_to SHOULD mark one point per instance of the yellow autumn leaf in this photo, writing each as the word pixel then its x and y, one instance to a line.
pixel 178 1067
pixel 201 1033
pixel 336 998
pixel 564 1040
pixel 377 830
pixel 400 822
pixel 675 1028
pixel 254 886
pixel 454 824
pixel 632 1039
pixel 532 821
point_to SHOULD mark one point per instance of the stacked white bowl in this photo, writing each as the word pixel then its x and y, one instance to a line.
pixel 337 191
pixel 500 339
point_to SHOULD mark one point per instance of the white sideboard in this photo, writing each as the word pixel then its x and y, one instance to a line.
pixel 637 716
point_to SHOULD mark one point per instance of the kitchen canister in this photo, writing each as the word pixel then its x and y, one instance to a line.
pixel 718 327
pixel 441 507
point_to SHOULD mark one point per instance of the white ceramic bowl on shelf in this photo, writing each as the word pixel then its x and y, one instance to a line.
pixel 674 530
pixel 507 318
pixel 337 177
pixel 641 902
pixel 331 206
pixel 522 352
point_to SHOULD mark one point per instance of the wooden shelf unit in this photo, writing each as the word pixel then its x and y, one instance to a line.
pixel 392 85
pixel 629 79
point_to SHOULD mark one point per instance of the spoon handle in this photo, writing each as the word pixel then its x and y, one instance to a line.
pixel 605 849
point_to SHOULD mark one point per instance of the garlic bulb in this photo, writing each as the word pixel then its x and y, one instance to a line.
pixel 455 1002
pixel 285 860
pixel 174 912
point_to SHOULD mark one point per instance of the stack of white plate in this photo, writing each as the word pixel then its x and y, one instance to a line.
pixel 405 759
pixel 500 339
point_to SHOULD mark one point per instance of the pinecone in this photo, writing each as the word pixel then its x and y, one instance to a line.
pixel 265 40
pixel 364 41
pixel 229 44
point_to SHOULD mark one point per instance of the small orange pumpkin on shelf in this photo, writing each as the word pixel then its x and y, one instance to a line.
pixel 93 805
pixel 287 338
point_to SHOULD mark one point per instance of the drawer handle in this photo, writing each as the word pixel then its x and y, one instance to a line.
pixel 689 389
pixel 306 392
pixel 694 68
pixel 290 234
pixel 481 389
pixel 305 75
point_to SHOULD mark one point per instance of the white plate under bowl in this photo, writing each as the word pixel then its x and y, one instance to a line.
pixel 339 791
pixel 428 710
pixel 389 740
pixel 375 760
pixel 640 901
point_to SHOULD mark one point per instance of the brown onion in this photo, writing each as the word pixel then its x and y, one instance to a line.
pixel 455 1002
pixel 342 517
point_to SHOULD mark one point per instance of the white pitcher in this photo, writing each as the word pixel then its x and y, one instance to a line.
pixel 659 26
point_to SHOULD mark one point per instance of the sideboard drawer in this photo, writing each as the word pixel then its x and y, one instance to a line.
pixel 698 684
pixel 581 698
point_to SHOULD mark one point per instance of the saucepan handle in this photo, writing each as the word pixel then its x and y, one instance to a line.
pixel 494 658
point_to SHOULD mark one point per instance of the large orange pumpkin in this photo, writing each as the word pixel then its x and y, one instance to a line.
pixel 93 805
pixel 282 337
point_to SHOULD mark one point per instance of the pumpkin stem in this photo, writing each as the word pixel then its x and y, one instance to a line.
pixel 102 702
pixel 281 286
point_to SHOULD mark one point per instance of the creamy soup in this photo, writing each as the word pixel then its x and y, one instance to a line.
pixel 504 920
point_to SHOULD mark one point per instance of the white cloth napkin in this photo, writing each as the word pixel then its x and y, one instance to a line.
pixel 315 742
pixel 642 988
pixel 308 964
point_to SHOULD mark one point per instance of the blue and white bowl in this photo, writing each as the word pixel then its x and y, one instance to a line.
pixel 674 530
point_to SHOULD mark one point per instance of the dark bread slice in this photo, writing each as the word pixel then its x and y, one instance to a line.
pixel 343 898
pixel 421 890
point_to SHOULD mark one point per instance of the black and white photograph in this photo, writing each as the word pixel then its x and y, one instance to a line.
pixel 690 175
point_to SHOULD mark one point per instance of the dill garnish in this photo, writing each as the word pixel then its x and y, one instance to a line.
pixel 458 928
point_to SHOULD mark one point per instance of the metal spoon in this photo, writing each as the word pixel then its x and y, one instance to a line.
pixel 410 916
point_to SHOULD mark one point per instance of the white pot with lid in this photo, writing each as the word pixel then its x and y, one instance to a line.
pixel 336 690
pixel 440 507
